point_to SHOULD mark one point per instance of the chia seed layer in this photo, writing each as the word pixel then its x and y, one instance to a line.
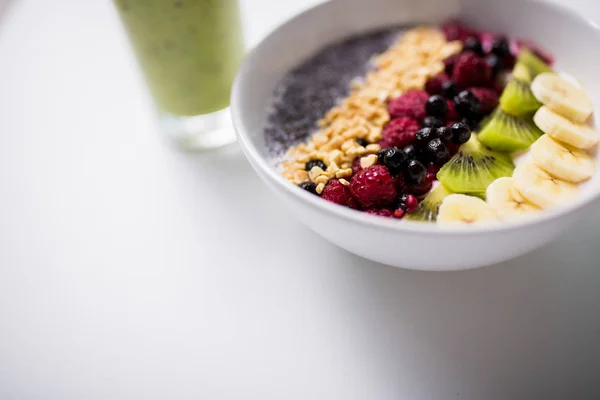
pixel 307 92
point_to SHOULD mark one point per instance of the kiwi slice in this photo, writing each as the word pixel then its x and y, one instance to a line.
pixel 535 64
pixel 428 209
pixel 522 73
pixel 518 99
pixel 505 132
pixel 474 168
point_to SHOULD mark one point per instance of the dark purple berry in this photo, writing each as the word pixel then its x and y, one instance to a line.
pixel 436 106
pixel 473 44
pixel 423 136
pixel 438 152
pixel 362 142
pixel 501 47
pixel 449 89
pixel 444 133
pixel 468 105
pixel 432 122
pixel 461 133
pixel 315 163
pixel 310 187
pixel 415 172
pixel 495 63
pixel 411 152
pixel 393 158
pixel 407 202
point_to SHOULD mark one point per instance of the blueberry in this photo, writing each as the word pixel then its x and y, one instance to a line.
pixel 310 187
pixel 411 152
pixel 393 158
pixel 432 122
pixel 424 135
pixel 415 172
pixel 438 152
pixel 495 63
pixel 468 105
pixel 449 89
pixel 444 133
pixel 474 45
pixel 362 142
pixel 501 47
pixel 461 133
pixel 315 163
pixel 436 106
pixel 471 123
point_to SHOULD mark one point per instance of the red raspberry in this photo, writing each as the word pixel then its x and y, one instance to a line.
pixel 410 104
pixel 356 166
pixel 337 193
pixel 452 115
pixel 456 30
pixel 373 187
pixel 434 84
pixel 399 132
pixel 381 212
pixel 487 97
pixel 471 70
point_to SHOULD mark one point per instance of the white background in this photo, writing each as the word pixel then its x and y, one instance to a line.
pixel 129 270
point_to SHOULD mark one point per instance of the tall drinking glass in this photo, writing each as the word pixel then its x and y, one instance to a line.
pixel 189 52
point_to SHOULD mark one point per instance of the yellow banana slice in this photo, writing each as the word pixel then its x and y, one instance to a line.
pixel 561 129
pixel 507 202
pixel 562 161
pixel 541 188
pixel 562 97
pixel 461 210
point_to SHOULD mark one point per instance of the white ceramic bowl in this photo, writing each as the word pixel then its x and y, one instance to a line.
pixel 573 39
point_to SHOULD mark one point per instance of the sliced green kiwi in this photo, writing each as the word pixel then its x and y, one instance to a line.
pixel 522 73
pixel 428 209
pixel 518 99
pixel 474 168
pixel 535 64
pixel 505 132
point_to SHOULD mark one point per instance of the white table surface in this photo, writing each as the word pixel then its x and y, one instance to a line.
pixel 131 271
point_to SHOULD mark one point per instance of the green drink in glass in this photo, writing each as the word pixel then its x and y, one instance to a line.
pixel 189 52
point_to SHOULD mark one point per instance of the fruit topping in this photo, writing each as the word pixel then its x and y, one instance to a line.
pixel 468 105
pixel 399 132
pixel 315 163
pixel 373 187
pixel 518 99
pixel 310 187
pixel 505 132
pixel 432 122
pixel 445 134
pixel 449 89
pixel 456 30
pixel 434 84
pixel 393 159
pixel 487 97
pixel 474 45
pixel 562 97
pixel 474 168
pixel 458 209
pixel 507 202
pixel 564 130
pixel 541 188
pixel 428 209
pixel 411 104
pixel 362 142
pixel 415 172
pixel 461 133
pixel 562 161
pixel 408 203
pixel 436 106
pixel 471 70
pixel 338 193
pixel 437 151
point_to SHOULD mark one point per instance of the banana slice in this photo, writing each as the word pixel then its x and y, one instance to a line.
pixel 459 209
pixel 541 188
pixel 507 202
pixel 560 128
pixel 561 160
pixel 562 97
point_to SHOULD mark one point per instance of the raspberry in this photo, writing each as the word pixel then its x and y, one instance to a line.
pixel 455 30
pixel 451 114
pixel 381 212
pixel 434 84
pixel 337 193
pixel 487 97
pixel 399 132
pixel 373 187
pixel 410 104
pixel 471 70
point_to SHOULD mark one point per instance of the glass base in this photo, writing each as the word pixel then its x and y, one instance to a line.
pixel 200 132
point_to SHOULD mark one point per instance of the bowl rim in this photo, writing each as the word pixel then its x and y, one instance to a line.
pixel 358 217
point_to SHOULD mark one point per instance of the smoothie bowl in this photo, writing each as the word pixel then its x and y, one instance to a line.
pixel 425 135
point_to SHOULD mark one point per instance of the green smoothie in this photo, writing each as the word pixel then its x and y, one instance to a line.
pixel 189 50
